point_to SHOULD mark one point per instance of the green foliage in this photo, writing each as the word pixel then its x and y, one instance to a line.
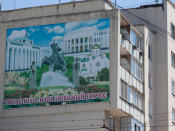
pixel 83 81
pixel 104 74
pixel 23 79
pixel 69 67
pixel 17 79
pixel 69 74
pixel 25 74
pixel 107 55
pixel 69 62
pixel 39 71
pixel 55 87
pixel 106 100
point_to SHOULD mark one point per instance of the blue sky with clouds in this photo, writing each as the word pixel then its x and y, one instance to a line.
pixel 11 4
pixel 44 34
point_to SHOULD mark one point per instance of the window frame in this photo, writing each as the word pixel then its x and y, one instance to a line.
pixel 150 53
pixel 173 87
pixel 173 115
pixel 172 31
pixel 173 59
pixel 150 81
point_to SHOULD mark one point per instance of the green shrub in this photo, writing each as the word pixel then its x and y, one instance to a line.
pixel 104 74
pixel 69 67
pixel 39 71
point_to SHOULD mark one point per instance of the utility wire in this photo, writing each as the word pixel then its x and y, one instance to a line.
pixel 145 21
pixel 134 5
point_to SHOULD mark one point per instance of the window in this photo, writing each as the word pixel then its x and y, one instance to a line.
pixel 81 48
pixel 136 99
pixel 135 39
pixel 173 115
pixel 125 91
pixel 139 101
pixel 135 127
pixel 139 128
pixel 173 87
pixel 86 47
pixel 81 40
pixel 150 53
pixel 86 39
pixel 136 69
pixel 77 40
pixel 94 39
pixel 72 41
pixel 150 81
pixel 172 30
pixel 150 109
pixel 139 42
pixel 172 59
pixel 90 39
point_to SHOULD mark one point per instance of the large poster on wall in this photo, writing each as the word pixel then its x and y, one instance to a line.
pixel 57 64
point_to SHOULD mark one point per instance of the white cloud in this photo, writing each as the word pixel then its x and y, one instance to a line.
pixel 91 22
pixel 71 26
pixel 56 29
pixel 57 38
pixel 81 30
pixel 101 24
pixel 48 29
pixel 33 29
pixel 17 34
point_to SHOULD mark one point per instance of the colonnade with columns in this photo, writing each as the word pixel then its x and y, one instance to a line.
pixel 84 41
pixel 21 57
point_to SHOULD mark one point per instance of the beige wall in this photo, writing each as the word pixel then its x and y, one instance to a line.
pixel 171 71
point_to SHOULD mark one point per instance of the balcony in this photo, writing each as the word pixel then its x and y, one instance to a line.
pixel 128 48
pixel 131 80
pixel 131 109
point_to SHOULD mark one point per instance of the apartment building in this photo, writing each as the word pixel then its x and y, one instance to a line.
pixel 114 98
pixel 159 19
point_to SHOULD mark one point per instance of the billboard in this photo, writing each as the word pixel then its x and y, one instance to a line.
pixel 57 64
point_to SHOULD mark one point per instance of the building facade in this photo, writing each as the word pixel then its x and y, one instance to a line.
pixel 121 51
pixel 160 70
pixel 21 53
pixel 84 41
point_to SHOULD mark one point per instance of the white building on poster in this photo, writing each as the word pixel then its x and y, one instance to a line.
pixel 81 42
pixel 21 53
pixel 90 47
pixel 94 62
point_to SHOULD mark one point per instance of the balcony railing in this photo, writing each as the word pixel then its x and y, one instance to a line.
pixel 130 109
pixel 130 79
pixel 134 52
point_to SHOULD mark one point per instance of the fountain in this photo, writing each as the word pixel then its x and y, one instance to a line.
pixel 55 76
pixel 52 79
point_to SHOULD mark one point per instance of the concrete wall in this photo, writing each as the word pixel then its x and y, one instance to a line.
pixel 89 116
pixel 171 71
